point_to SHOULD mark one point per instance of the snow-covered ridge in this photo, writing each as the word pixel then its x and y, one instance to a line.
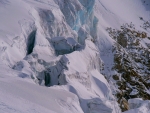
pixel 63 44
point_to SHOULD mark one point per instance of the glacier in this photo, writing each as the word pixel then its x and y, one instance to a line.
pixel 56 56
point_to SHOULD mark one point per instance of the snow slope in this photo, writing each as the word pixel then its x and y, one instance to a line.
pixel 18 96
pixel 64 45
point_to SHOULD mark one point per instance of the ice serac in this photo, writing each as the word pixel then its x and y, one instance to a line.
pixel 79 15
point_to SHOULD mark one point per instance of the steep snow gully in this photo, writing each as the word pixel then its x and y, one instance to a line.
pixel 64 45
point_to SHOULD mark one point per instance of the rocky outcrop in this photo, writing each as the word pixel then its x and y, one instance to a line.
pixel 131 64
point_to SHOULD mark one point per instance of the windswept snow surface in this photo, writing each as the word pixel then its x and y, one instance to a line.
pixel 62 44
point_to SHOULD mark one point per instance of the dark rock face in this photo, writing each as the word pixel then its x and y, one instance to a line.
pixel 122 40
pixel 131 62
pixel 115 77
